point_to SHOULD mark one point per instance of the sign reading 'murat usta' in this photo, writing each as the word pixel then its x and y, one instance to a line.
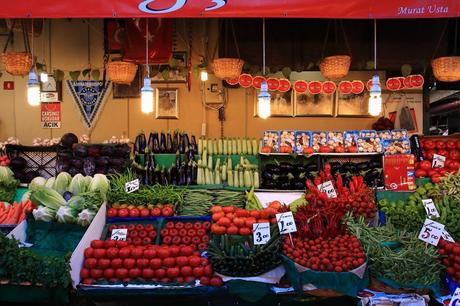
pixel 423 10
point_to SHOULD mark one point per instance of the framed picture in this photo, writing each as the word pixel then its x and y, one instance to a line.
pixel 167 103
pixel 114 31
pixel 310 105
pixel 353 105
pixel 280 103
pixel 51 86
pixel 175 71
pixel 133 90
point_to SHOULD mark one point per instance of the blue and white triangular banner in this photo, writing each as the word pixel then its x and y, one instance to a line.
pixel 89 97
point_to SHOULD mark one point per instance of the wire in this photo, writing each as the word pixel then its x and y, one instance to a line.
pixel 147 46
pixel 375 44
pixel 263 46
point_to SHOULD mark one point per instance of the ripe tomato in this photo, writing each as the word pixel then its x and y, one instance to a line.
pixel 89 252
pixel 450 144
pixel 96 273
pixel 194 261
pixel 135 273
pixel 182 261
pixel 169 262
pixel 124 252
pixel 116 263
pixel 84 273
pixel 440 144
pixel 436 178
pixel 208 271
pixel 123 212
pixel 167 211
pixel 420 173
pixel 137 253
pixel 454 154
pixel 155 212
pixel 186 251
pixel 97 244
pixel 429 154
pixel 121 273
pixel 148 273
pixel 425 165
pixel 163 252
pixel 172 272
pixel 99 253
pixel 144 212
pixel 109 273
pixel 134 212
pixel 204 280
pixel 155 263
pixel 454 165
pixel 198 272
pixel 142 263
pixel 129 263
pixel 103 263
pixel 186 271
pixel 443 152
pixel 112 212
pixel 430 144
pixel 216 281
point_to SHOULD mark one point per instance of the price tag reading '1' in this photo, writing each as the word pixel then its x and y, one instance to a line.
pixel 119 234
pixel 328 188
pixel 261 233
pixel 430 209
pixel 446 236
pixel 438 161
pixel 132 186
pixel 455 300
pixel 431 232
pixel 286 223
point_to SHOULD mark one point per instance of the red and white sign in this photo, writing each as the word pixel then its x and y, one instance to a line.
pixel 285 85
pixel 393 84
pixel 51 115
pixel 257 81
pixel 345 87
pixel 329 87
pixel 232 81
pixel 300 86
pixel 357 87
pixel 417 80
pixel 315 87
pixel 245 80
pixel 273 84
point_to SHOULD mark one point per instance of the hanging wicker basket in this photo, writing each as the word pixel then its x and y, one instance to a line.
pixel 335 67
pixel 446 69
pixel 17 63
pixel 120 72
pixel 227 68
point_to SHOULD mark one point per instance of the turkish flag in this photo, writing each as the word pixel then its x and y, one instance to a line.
pixel 160 32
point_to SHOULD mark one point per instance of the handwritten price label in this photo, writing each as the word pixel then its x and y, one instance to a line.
pixel 454 301
pixel 132 186
pixel 261 233
pixel 431 232
pixel 286 223
pixel 438 161
pixel 119 234
pixel 430 209
pixel 328 188
pixel 446 236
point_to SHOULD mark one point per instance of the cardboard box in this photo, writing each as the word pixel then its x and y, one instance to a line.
pixel 399 171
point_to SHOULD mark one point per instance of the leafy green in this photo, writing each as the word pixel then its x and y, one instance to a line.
pixel 62 182
pixel 8 184
pixel 43 213
pixel 65 214
pixel 101 184
pixel 85 217
pixel 77 185
pixel 38 181
pixel 47 197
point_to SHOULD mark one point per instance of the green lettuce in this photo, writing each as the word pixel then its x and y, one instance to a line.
pixel 62 182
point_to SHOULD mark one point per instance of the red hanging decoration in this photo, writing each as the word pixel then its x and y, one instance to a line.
pixel 285 85
pixel 245 80
pixel 257 81
pixel 315 87
pixel 345 87
pixel 273 84
pixel 300 86
pixel 357 87
pixel 329 87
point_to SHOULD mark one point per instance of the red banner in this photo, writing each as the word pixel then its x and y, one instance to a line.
pixel 51 115
pixel 352 9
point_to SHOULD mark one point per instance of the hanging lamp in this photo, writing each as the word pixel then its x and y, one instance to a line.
pixel 147 90
pixel 203 75
pixel 33 86
pixel 375 94
pixel 263 99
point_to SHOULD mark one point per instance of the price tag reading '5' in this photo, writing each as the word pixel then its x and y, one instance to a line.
pixel 286 223
pixel 119 234
pixel 132 186
pixel 438 161
pixel 455 300
pixel 431 232
pixel 430 209
pixel 328 188
pixel 261 233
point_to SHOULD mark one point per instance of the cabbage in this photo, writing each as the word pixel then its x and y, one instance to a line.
pixel 100 183
pixel 43 213
pixel 77 203
pixel 88 180
pixel 38 181
pixel 77 185
pixel 48 197
pixel 65 215
pixel 50 182
pixel 6 175
pixel 85 217
pixel 62 182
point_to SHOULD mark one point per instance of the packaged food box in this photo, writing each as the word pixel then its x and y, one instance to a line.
pixel 287 141
pixel 335 141
pixel 370 145
pixel 392 147
pixel 302 141
pixel 399 134
pixel 384 135
pixel 367 134
pixel 272 140
pixel 351 141
pixel 399 172
pixel 318 139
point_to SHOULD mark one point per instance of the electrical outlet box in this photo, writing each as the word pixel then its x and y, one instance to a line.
pixel 213 90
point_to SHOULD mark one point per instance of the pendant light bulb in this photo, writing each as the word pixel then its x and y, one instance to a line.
pixel 33 89
pixel 375 97
pixel 203 75
pixel 263 102
pixel 43 77
pixel 147 96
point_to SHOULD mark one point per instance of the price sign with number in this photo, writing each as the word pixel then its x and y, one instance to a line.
pixel 446 236
pixel 132 186
pixel 328 188
pixel 261 233
pixel 286 223
pixel 119 234
pixel 431 232
pixel 430 209
pixel 438 161
pixel 455 300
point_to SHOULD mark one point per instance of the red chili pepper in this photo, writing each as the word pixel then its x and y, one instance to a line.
pixel 327 168
pixel 339 181
pixel 360 181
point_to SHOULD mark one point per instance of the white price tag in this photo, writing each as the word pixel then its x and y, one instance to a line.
pixel 446 236
pixel 25 244
pixel 132 186
pixel 431 232
pixel 261 233
pixel 328 188
pixel 430 209
pixel 119 234
pixel 455 300
pixel 438 161
pixel 286 223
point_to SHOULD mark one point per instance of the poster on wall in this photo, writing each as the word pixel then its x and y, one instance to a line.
pixel 51 115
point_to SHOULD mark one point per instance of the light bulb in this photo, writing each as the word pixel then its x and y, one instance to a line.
pixel 43 77
pixel 147 96
pixel 33 89
pixel 375 97
pixel 204 76
pixel 263 102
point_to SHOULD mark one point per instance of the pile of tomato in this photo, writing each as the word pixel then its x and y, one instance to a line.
pixel 451 260
pixel 450 149
pixel 339 254
pixel 138 234
pixel 119 262
pixel 193 234
pixel 237 221
pixel 4 161
pixel 166 210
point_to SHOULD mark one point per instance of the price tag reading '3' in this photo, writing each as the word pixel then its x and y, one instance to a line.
pixel 261 233
pixel 286 223
pixel 431 232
